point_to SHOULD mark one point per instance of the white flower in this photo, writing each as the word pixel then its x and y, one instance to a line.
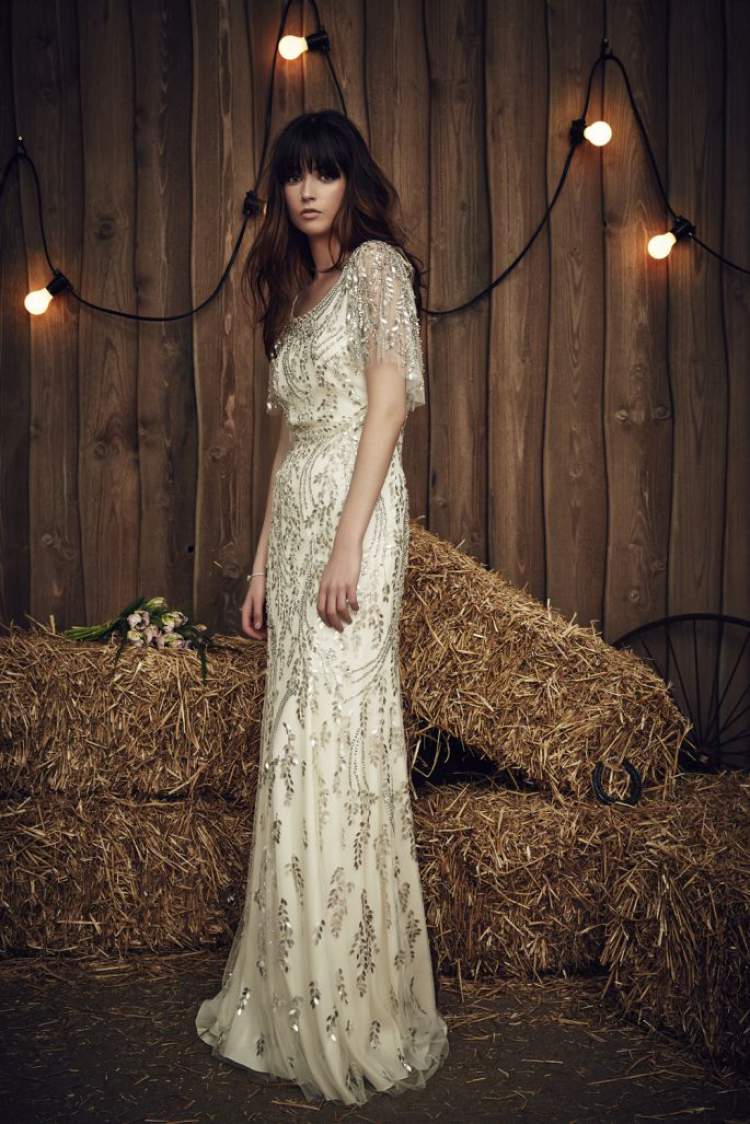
pixel 156 604
pixel 173 619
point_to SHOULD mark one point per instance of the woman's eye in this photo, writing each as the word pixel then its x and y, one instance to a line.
pixel 321 175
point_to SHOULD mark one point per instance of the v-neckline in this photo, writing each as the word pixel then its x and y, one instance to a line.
pixel 323 299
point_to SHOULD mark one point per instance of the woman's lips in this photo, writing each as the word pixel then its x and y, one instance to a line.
pixel 310 214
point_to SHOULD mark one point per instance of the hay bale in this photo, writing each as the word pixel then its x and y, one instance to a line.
pixel 68 725
pixel 154 729
pixel 489 664
pixel 514 883
pixel 657 893
pixel 677 943
pixel 116 876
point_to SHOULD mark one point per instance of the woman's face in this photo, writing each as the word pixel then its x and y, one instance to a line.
pixel 316 192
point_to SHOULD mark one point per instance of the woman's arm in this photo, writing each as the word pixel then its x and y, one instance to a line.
pixel 387 339
pixel 261 552
pixel 387 330
pixel 386 413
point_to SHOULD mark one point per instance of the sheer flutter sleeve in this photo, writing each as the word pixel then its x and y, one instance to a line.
pixel 386 320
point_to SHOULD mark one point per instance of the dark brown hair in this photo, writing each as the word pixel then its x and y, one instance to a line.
pixel 279 262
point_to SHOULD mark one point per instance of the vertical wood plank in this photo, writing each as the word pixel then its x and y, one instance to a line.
pixel 398 117
pixel 167 424
pixel 15 357
pixel 516 150
pixel 696 347
pixel 736 316
pixel 222 333
pixel 736 300
pixel 345 24
pixel 460 267
pixel 47 90
pixel 637 401
pixel 108 478
pixel 575 490
pixel 262 19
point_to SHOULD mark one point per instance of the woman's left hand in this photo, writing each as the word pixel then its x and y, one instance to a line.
pixel 338 585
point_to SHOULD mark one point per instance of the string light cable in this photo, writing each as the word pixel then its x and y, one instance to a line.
pixel 599 133
pixel 251 206
pixel 291 47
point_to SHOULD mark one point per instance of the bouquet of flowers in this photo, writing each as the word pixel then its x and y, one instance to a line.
pixel 148 623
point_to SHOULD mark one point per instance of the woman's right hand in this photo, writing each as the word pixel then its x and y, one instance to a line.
pixel 253 609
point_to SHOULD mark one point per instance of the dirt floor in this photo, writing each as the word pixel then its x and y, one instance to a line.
pixel 116 1042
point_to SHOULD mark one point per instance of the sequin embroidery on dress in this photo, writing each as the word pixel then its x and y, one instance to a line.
pixel 329 982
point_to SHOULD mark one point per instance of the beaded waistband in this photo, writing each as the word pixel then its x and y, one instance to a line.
pixel 326 428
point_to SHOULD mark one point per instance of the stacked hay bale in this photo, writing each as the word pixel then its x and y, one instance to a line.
pixel 657 893
pixel 72 723
pixel 677 932
pixel 127 799
pixel 537 694
pixel 126 795
pixel 110 876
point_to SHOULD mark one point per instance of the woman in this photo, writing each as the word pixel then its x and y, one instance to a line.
pixel 329 979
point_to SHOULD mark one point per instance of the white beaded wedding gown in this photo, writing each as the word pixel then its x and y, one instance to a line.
pixel 329 979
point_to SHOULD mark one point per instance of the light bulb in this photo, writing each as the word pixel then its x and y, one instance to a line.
pixel 292 46
pixel 37 301
pixel 661 244
pixel 598 133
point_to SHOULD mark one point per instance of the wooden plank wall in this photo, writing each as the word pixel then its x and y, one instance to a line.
pixel 587 424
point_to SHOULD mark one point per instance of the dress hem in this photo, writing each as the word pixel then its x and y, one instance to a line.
pixel 410 1082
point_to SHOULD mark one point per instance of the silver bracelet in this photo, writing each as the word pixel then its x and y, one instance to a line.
pixel 258 573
